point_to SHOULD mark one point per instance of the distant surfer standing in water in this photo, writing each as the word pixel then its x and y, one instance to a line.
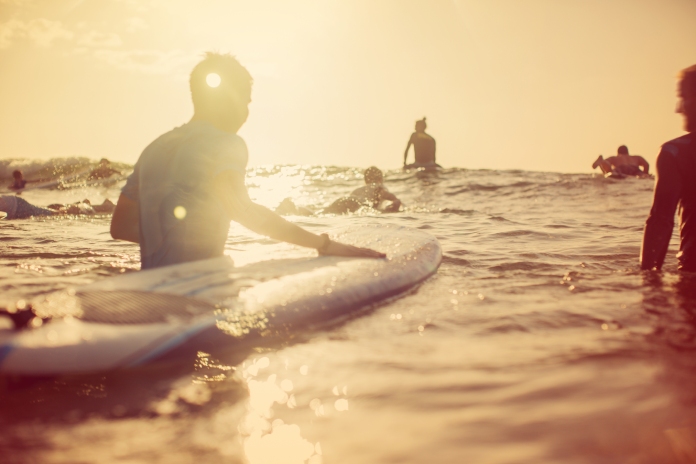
pixel 675 185
pixel 189 183
pixel 423 148
pixel 623 164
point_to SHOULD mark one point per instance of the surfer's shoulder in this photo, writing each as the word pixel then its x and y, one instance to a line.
pixel 674 146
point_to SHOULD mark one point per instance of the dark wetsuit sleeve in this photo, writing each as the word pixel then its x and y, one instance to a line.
pixel 660 223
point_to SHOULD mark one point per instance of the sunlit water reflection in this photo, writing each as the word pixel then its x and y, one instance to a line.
pixel 539 340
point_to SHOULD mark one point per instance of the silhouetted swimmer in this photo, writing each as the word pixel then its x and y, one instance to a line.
pixel 189 183
pixel 103 170
pixel 423 148
pixel 373 195
pixel 18 208
pixel 675 185
pixel 622 164
pixel 19 182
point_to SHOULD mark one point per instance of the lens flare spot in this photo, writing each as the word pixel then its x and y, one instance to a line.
pixel 341 405
pixel 180 212
pixel 213 80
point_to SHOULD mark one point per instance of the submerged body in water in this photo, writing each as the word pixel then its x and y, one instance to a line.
pixel 539 340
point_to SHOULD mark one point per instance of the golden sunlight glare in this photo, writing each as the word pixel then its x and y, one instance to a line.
pixel 213 80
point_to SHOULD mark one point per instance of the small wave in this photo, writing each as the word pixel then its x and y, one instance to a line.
pixel 456 261
pixel 42 168
pixel 523 266
pixel 461 212
pixel 519 233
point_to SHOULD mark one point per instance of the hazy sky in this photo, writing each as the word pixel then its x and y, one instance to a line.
pixel 531 84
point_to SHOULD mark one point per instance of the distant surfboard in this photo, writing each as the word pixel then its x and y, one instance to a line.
pixel 423 167
pixel 148 317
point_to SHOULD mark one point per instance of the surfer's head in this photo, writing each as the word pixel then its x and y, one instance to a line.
pixel 421 125
pixel 221 91
pixel 623 150
pixel 373 175
pixel 17 175
pixel 687 98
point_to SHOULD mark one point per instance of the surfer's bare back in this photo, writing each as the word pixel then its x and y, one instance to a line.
pixel 623 164
pixel 423 147
pixel 189 183
pixel 675 184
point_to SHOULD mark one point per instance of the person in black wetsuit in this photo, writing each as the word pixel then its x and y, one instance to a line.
pixel 18 181
pixel 623 164
pixel 423 147
pixel 675 184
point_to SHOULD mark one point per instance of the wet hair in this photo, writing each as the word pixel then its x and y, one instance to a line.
pixel 688 79
pixel 421 123
pixel 623 150
pixel 235 81
pixel 104 161
pixel 17 174
pixel 373 175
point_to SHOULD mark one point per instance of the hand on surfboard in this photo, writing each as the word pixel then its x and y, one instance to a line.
pixel 341 249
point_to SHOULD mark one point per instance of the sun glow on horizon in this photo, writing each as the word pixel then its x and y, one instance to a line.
pixel 504 84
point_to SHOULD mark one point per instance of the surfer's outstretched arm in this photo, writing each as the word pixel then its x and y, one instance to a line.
pixel 408 146
pixel 230 188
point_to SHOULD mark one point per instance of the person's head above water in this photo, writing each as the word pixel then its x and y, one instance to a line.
pixel 687 98
pixel 104 162
pixel 623 150
pixel 421 125
pixel 221 91
pixel 373 175
pixel 17 175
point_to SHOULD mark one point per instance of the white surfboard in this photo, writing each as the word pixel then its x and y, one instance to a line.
pixel 153 316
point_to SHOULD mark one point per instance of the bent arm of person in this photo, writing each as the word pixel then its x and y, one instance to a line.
pixel 395 204
pixel 408 146
pixel 642 163
pixel 230 188
pixel 660 223
pixel 125 223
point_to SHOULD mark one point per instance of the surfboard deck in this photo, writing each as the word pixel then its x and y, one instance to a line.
pixel 147 317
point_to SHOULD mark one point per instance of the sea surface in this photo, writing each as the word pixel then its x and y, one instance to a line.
pixel 539 340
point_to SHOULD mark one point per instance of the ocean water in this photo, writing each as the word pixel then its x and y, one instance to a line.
pixel 539 340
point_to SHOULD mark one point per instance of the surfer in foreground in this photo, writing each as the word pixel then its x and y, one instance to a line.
pixel 675 184
pixel 189 183
pixel 372 195
pixel 622 164
pixel 423 148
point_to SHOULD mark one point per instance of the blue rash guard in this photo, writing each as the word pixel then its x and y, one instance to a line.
pixel 675 185
pixel 181 218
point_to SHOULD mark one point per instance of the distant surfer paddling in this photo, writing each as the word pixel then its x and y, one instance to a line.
pixel 423 148
pixel 189 183
pixel 623 164
pixel 103 170
pixel 16 207
pixel 675 185
pixel 372 195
